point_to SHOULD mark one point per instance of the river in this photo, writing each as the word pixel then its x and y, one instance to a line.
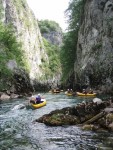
pixel 19 132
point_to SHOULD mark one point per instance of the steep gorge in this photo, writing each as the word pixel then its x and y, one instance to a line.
pixel 94 56
pixel 33 72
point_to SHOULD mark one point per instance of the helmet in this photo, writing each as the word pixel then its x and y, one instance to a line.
pixel 32 97
pixel 38 94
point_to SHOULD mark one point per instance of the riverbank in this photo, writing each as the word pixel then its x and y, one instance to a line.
pixel 6 95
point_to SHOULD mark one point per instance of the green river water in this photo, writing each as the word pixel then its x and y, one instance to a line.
pixel 19 132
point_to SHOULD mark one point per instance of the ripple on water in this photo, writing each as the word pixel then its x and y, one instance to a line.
pixel 19 132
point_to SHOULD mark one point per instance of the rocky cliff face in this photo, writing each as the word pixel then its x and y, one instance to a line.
pixel 51 31
pixel 27 31
pixel 94 64
pixel 26 28
pixel 54 37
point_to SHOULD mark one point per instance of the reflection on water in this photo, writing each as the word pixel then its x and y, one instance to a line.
pixel 19 132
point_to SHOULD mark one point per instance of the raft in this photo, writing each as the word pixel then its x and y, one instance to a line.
pixel 81 94
pixel 56 92
pixel 69 94
pixel 39 105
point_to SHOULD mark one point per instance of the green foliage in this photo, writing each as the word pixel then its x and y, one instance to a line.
pixel 20 4
pixel 75 14
pixel 10 48
pixel 68 50
pixel 21 7
pixel 54 65
pixel 1 10
pixel 47 26
pixel 67 54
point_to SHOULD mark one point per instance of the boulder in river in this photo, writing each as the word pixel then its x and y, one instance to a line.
pixel 20 106
pixel 97 100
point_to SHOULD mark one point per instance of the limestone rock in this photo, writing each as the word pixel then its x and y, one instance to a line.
pixel 27 31
pixel 4 97
pixel 94 62
pixel 97 100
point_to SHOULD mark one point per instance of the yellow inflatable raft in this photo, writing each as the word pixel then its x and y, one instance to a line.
pixel 40 104
pixel 81 94
pixel 69 94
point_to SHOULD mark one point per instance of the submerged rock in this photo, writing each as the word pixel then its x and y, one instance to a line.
pixel 20 106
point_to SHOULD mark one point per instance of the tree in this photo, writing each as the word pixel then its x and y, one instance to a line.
pixel 47 26
pixel 68 50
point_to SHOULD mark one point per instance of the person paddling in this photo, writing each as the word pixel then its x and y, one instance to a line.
pixel 90 91
pixel 35 100
pixel 84 91
pixel 38 99
pixel 32 100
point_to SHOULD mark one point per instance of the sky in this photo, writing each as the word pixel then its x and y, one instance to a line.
pixel 51 10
